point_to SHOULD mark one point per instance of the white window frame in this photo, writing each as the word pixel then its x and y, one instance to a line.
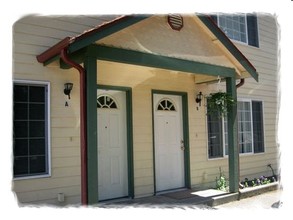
pixel 251 125
pixel 223 133
pixel 48 127
pixel 246 32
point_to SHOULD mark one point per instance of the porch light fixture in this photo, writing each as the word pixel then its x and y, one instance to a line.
pixel 198 98
pixel 67 89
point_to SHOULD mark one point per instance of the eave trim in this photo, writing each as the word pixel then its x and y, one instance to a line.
pixel 158 61
pixel 213 27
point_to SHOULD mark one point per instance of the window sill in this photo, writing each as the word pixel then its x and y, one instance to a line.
pixel 31 177
pixel 240 155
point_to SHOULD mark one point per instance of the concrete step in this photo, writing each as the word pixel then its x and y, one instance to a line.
pixel 243 193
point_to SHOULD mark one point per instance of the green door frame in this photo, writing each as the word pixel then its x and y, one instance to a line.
pixel 185 123
pixel 91 56
pixel 129 125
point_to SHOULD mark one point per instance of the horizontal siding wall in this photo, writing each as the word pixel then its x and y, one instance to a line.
pixel 32 35
pixel 266 61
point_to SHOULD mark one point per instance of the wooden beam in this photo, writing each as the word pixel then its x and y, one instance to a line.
pixel 233 137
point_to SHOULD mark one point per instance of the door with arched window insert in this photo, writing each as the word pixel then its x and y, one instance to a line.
pixel 112 144
pixel 169 143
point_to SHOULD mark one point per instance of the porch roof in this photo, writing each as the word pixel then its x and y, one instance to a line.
pixel 199 42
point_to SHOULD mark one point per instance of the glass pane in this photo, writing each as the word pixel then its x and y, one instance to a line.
pixel 37 164
pixel 37 146
pixel 20 129
pixel 29 123
pixel 37 129
pixel 37 111
pixel 258 136
pixel 113 105
pixel 20 93
pixel 215 141
pixel 36 94
pixel 20 147
pixel 20 166
pixel 108 100
pixel 20 111
pixel 234 26
pixel 160 107
pixel 100 102
pixel 166 105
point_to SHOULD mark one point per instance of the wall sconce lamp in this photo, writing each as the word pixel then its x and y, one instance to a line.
pixel 198 98
pixel 67 89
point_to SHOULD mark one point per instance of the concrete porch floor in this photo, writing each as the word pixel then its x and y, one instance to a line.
pixel 182 198
pixel 188 198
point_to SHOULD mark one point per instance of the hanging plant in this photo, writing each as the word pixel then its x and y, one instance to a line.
pixel 219 103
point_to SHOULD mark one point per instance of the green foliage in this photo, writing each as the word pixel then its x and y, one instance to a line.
pixel 218 103
pixel 221 182
pixel 257 181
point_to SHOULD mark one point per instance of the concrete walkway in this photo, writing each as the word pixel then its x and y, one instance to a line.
pixel 267 200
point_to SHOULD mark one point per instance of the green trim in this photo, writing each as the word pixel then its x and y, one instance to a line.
pixel 232 137
pixel 90 64
pixel 105 31
pixel 158 61
pixel 129 125
pixel 185 131
pixel 186 139
pixel 229 45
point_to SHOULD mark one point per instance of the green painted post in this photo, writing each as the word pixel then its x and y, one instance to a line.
pixel 90 64
pixel 232 137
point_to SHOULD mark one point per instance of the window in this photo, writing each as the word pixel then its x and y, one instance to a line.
pixel 250 130
pixel 30 130
pixel 166 105
pixel 239 27
pixel 105 101
pixel 215 136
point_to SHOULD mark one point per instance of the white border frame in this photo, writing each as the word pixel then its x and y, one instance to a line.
pixel 48 127
pixel 240 154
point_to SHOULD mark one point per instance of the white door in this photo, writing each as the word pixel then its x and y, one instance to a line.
pixel 169 144
pixel 112 144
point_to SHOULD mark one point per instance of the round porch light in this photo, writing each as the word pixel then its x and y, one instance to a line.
pixel 175 21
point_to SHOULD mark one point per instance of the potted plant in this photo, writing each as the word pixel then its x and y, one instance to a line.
pixel 219 103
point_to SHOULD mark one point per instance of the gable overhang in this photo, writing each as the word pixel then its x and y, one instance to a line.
pixel 205 70
pixel 245 68
pixel 73 44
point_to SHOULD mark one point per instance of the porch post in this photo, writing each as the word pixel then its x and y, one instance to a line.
pixel 90 65
pixel 233 137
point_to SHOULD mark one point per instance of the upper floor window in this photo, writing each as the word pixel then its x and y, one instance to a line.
pixel 30 129
pixel 239 27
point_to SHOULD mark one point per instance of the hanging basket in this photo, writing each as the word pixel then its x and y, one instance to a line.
pixel 219 103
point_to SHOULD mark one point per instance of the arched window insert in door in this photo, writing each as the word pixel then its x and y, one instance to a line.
pixel 166 105
pixel 106 101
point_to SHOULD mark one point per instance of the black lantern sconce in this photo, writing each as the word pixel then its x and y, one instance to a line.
pixel 67 89
pixel 198 98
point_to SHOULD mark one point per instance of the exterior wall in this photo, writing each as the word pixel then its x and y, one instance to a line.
pixel 266 61
pixel 33 36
